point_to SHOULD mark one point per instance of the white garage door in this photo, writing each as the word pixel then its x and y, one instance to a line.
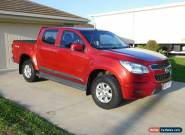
pixel 10 32
pixel 2 51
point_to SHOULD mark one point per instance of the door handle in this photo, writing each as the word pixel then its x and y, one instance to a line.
pixel 57 45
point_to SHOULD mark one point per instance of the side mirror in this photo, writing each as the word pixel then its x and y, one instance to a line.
pixel 77 47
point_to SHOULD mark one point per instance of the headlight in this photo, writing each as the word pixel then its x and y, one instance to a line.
pixel 134 67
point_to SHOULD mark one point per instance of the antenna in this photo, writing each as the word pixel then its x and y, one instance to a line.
pixel 93 22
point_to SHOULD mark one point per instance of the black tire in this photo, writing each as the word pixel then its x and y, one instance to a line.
pixel 112 82
pixel 32 76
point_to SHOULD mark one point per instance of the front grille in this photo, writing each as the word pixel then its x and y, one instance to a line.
pixel 163 77
pixel 160 66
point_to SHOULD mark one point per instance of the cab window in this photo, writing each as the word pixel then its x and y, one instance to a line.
pixel 50 36
pixel 68 38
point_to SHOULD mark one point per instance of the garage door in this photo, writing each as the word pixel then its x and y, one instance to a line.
pixel 2 51
pixel 16 32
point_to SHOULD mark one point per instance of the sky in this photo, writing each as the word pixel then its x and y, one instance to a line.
pixel 86 8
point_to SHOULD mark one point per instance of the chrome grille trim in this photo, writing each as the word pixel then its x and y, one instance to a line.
pixel 160 66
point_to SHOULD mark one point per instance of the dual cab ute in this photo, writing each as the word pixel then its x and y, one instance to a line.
pixel 93 60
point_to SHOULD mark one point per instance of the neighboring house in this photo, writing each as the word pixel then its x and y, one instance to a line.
pixel 165 24
pixel 22 19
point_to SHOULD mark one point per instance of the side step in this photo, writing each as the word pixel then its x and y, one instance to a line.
pixel 63 81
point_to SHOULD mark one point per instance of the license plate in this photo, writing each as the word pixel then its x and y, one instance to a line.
pixel 166 85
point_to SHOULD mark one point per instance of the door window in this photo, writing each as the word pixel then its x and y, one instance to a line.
pixel 68 38
pixel 50 36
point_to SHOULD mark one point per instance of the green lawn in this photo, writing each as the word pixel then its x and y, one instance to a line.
pixel 178 68
pixel 16 120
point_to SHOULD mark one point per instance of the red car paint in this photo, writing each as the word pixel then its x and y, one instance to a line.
pixel 79 65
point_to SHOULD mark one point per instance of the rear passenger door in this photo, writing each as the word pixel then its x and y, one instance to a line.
pixel 47 50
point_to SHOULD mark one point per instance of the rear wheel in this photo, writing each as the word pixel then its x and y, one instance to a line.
pixel 106 92
pixel 29 73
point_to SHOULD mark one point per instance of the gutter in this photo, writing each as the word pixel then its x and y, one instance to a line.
pixel 42 16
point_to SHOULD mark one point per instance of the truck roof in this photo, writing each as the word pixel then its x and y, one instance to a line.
pixel 81 28
pixel 74 28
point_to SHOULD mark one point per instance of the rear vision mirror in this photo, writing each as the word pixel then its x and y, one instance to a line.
pixel 77 47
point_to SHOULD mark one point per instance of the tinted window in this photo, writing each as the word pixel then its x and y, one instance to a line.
pixel 103 40
pixel 50 36
pixel 68 38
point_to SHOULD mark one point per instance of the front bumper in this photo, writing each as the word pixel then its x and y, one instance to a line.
pixel 140 90
pixel 140 86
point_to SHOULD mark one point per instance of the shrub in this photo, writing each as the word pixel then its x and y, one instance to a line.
pixel 163 52
pixel 141 46
pixel 152 45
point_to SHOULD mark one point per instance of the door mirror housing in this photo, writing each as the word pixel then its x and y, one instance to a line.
pixel 77 47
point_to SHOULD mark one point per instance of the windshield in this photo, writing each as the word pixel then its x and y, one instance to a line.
pixel 103 40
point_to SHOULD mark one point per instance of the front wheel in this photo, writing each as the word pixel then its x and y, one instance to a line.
pixel 106 92
pixel 29 73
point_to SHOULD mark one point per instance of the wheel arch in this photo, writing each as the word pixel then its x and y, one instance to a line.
pixel 95 73
pixel 23 58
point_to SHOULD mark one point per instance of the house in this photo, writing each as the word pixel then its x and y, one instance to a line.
pixel 22 19
pixel 163 23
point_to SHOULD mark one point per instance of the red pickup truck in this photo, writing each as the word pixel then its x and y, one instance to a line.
pixel 93 60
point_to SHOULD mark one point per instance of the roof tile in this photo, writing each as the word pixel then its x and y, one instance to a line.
pixel 27 6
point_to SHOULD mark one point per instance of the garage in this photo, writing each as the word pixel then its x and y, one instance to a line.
pixel 22 19
pixel 10 32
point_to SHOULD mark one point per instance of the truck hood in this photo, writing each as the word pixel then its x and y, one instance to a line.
pixel 138 53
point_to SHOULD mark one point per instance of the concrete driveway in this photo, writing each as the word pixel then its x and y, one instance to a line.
pixel 72 110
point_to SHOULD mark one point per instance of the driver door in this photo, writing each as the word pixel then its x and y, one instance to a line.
pixel 72 64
